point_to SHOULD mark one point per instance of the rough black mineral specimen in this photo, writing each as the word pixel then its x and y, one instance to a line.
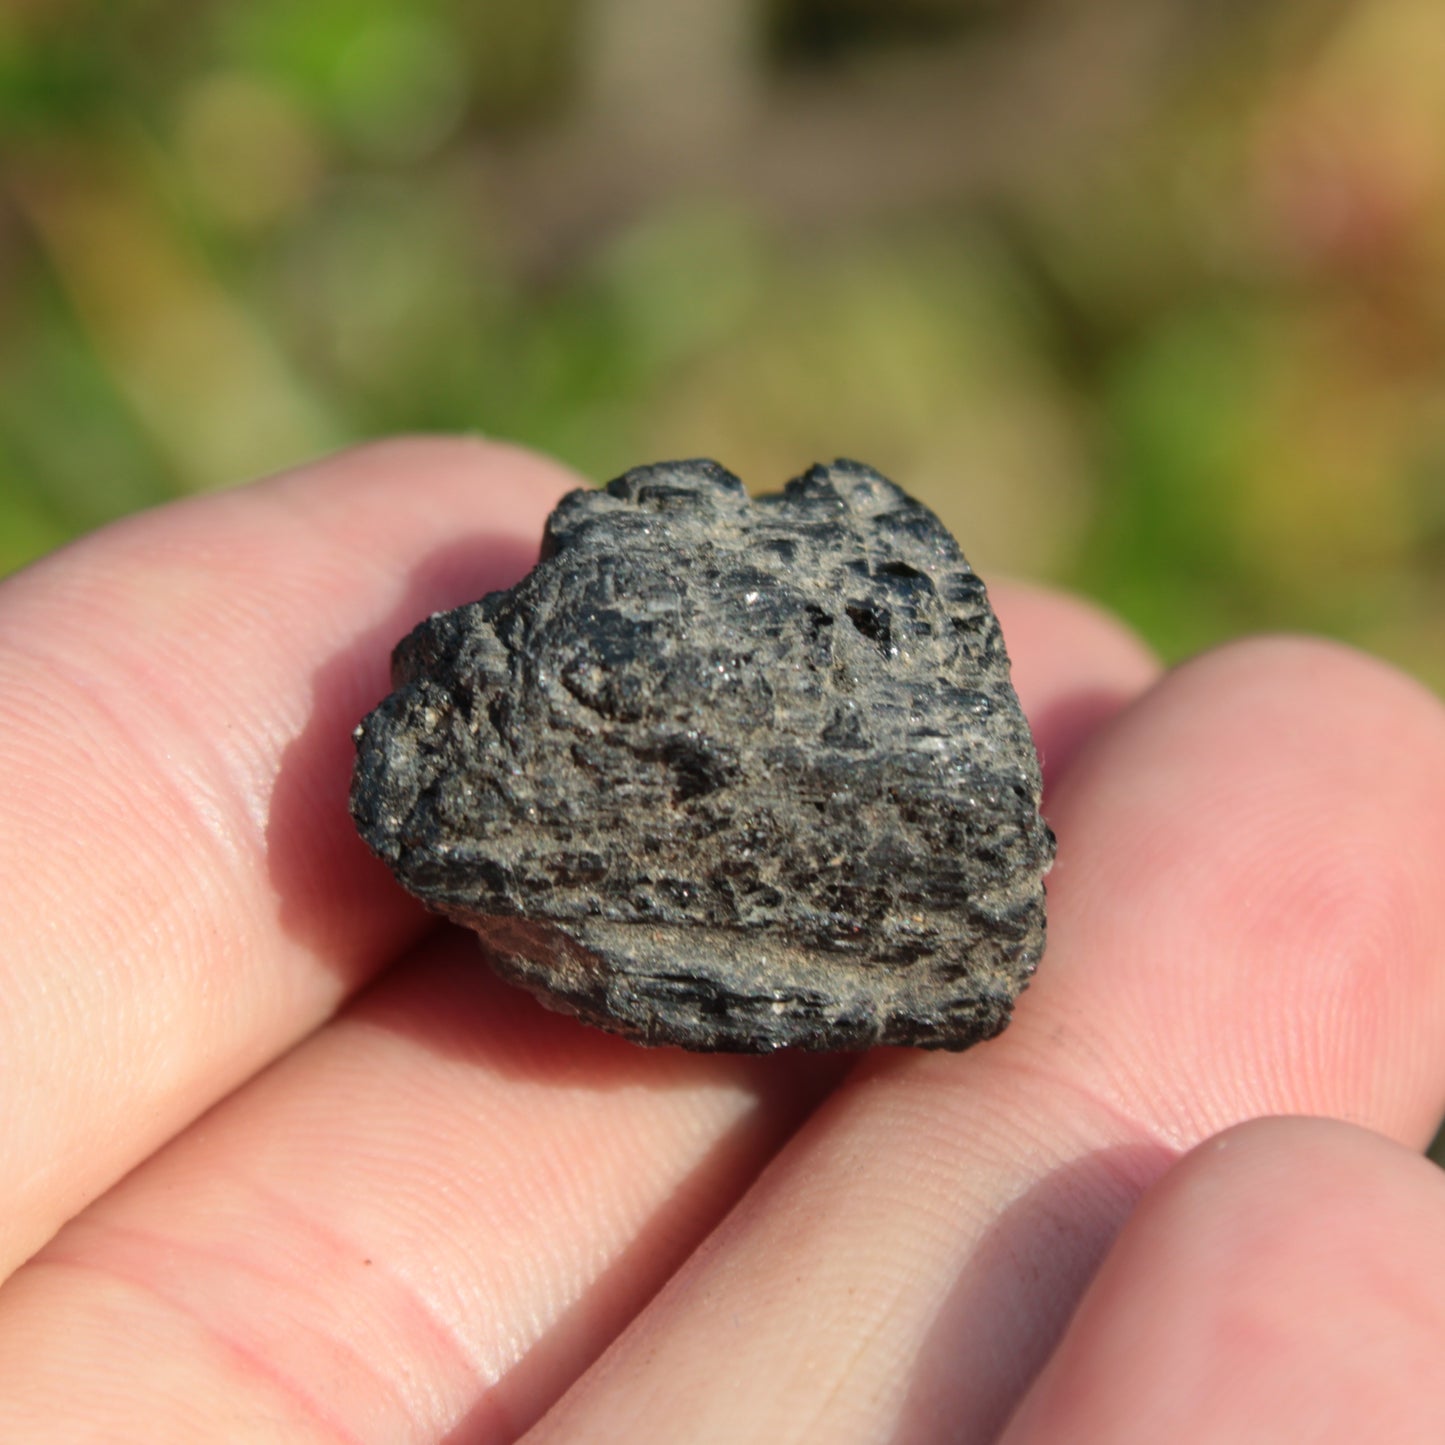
pixel 726 773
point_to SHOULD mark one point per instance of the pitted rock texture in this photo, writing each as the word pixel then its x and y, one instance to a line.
pixel 726 773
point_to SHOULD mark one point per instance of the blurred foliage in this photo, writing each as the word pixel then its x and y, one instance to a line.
pixel 1196 366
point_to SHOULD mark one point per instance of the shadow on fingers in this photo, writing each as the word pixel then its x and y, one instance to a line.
pixel 312 849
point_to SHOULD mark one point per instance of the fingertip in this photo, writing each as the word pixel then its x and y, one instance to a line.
pixel 1073 625
pixel 436 472
pixel 1277 1283
pixel 1075 666
pixel 1249 856
pixel 422 515
pixel 1253 1182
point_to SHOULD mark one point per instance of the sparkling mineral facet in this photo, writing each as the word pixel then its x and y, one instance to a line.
pixel 724 772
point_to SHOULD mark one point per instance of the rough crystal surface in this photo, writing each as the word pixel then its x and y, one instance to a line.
pixel 724 772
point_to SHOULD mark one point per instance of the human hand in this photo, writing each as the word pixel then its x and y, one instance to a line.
pixel 283 1161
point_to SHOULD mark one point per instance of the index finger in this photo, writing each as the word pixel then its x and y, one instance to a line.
pixel 183 892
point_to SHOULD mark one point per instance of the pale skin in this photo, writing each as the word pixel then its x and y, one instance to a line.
pixel 283 1162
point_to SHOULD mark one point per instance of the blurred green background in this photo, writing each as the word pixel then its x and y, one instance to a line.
pixel 1144 298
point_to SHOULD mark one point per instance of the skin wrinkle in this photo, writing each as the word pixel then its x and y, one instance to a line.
pixel 1035 1067
pixel 815 1425
pixel 1346 983
pixel 98 757
pixel 119 1399
pixel 218 789
pixel 209 865
pixel 232 783
pixel 1122 1156
pixel 245 1362
pixel 548 1275
pixel 430 1292
pixel 395 1301
pixel 1358 1002
pixel 899 1322
pixel 527 1274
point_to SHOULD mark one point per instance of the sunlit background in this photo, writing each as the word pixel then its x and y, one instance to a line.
pixel 1144 298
